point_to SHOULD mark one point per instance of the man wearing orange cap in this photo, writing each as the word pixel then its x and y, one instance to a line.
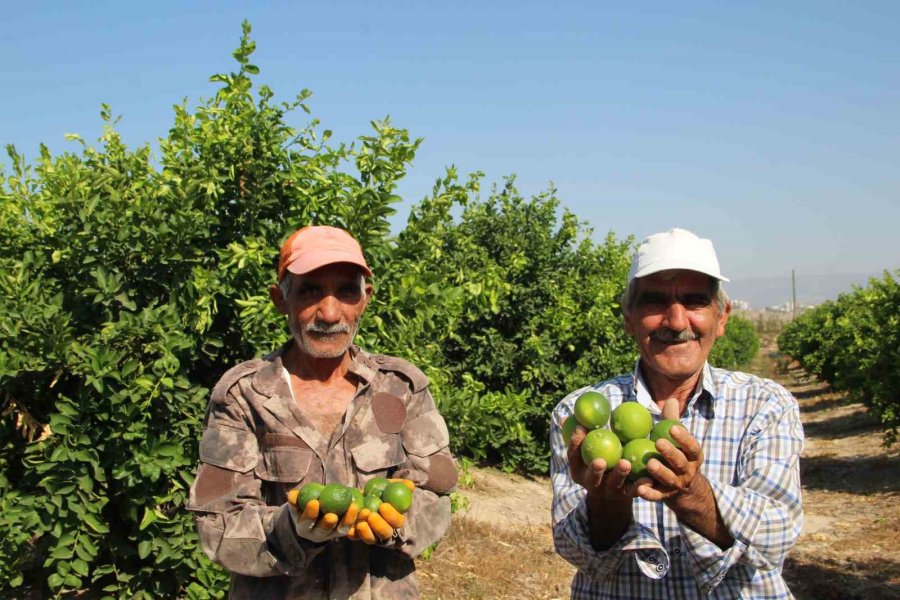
pixel 320 410
pixel 716 517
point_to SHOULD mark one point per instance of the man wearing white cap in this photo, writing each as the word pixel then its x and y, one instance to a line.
pixel 717 518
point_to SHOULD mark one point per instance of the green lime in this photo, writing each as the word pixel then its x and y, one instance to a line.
pixel 397 495
pixel 374 486
pixel 568 429
pixel 372 503
pixel 357 496
pixel 335 498
pixel 592 410
pixel 631 421
pixel 661 431
pixel 639 452
pixel 601 443
pixel 310 491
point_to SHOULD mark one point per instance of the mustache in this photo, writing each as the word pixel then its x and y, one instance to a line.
pixel 669 336
pixel 327 328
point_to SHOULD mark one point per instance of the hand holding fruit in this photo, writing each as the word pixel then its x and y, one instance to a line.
pixel 326 512
pixel 323 512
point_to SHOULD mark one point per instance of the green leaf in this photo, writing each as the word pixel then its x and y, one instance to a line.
pixel 95 524
pixel 149 517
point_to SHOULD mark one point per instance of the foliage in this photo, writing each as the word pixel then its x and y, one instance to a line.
pixel 130 282
pixel 854 344
pixel 737 347
pixel 127 286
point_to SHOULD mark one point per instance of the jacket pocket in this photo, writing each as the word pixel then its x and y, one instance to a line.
pixel 379 454
pixel 426 434
pixel 283 464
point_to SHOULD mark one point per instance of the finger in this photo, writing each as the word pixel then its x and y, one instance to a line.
pixel 689 444
pixel 351 534
pixel 292 496
pixel 407 482
pixel 674 458
pixel 671 409
pixel 350 516
pixel 365 532
pixel 328 522
pixel 391 515
pixel 617 476
pixel 311 510
pixel 380 526
pixel 646 491
pixel 363 514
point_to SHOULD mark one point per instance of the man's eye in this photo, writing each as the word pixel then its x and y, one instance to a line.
pixel 349 291
pixel 697 301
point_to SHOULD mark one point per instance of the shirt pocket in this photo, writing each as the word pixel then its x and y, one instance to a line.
pixel 377 456
pixel 284 464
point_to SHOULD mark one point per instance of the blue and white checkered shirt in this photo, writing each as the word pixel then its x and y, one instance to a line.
pixel 752 439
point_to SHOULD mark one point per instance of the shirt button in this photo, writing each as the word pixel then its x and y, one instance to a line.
pixel 676 552
pixel 651 559
pixel 660 568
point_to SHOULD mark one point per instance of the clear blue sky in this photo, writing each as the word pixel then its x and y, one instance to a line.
pixel 773 129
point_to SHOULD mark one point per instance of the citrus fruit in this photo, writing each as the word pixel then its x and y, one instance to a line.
pixel 335 498
pixel 398 496
pixel 631 421
pixel 592 410
pixel 357 496
pixel 308 492
pixel 374 486
pixel 372 503
pixel 601 443
pixel 568 429
pixel 661 431
pixel 639 452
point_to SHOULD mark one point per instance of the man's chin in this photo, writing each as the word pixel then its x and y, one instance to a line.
pixel 320 349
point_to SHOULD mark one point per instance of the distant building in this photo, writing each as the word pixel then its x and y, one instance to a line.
pixel 740 304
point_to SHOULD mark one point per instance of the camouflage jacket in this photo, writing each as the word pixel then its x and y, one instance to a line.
pixel 257 444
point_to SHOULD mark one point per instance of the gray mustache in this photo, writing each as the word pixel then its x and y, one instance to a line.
pixel 667 336
pixel 325 328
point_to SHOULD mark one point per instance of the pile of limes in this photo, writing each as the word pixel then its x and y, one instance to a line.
pixel 381 501
pixel 631 433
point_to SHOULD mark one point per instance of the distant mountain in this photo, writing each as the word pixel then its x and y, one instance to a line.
pixel 761 292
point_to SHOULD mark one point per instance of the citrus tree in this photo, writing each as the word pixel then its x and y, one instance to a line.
pixel 129 283
pixel 853 343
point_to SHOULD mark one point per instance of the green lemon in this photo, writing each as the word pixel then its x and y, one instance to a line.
pixel 601 443
pixel 397 495
pixel 631 421
pixel 375 486
pixel 310 491
pixel 592 410
pixel 568 429
pixel 357 496
pixel 661 431
pixel 372 503
pixel 335 498
pixel 639 452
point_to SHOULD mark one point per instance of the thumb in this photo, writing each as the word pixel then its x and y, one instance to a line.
pixel 671 409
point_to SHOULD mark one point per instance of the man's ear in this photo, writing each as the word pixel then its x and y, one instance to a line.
pixel 277 298
pixel 723 319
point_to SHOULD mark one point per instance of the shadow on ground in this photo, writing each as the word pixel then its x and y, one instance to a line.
pixel 830 580
pixel 842 426
pixel 852 475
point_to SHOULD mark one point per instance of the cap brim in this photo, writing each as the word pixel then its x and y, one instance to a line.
pixel 316 260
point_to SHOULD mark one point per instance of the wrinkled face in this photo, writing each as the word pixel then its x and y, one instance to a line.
pixel 675 321
pixel 323 308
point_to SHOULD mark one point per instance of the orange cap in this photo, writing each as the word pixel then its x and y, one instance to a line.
pixel 315 246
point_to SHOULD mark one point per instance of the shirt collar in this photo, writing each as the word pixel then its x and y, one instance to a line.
pixel 702 396
pixel 270 379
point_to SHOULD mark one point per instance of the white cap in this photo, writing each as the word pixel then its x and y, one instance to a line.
pixel 675 249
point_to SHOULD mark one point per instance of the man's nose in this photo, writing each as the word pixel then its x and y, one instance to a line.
pixel 329 309
pixel 677 317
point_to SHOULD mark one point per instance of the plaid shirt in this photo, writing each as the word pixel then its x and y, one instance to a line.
pixel 752 439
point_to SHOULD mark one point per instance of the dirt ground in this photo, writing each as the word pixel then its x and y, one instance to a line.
pixel 502 548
